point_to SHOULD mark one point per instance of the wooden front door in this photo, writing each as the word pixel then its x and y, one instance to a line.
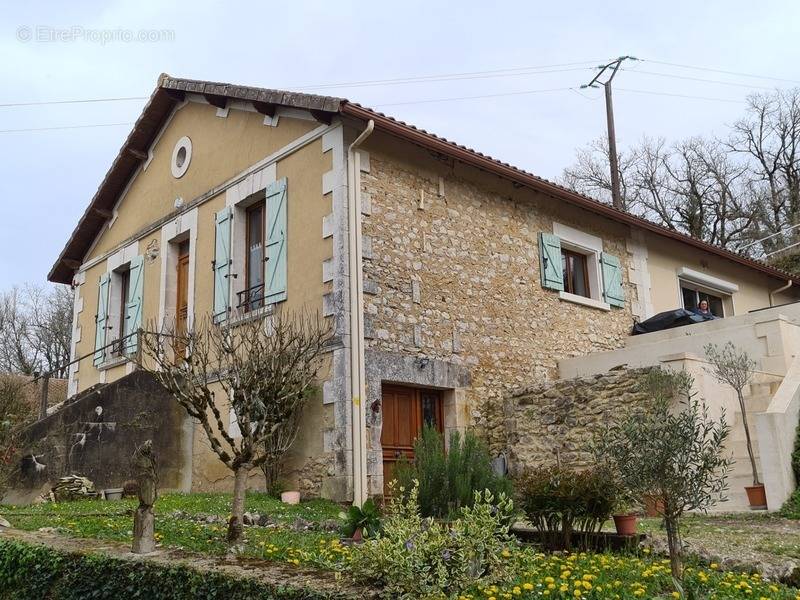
pixel 405 411
pixel 182 299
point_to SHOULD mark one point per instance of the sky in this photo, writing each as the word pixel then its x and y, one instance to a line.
pixel 56 51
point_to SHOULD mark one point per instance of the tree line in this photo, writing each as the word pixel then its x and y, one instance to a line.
pixel 731 190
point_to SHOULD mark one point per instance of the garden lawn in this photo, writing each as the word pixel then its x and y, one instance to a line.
pixel 608 576
pixel 295 535
pixel 763 540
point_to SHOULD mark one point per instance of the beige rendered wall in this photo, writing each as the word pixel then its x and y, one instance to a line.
pixel 666 257
pixel 221 149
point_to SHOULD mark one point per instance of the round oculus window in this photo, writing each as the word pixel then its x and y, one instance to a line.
pixel 181 157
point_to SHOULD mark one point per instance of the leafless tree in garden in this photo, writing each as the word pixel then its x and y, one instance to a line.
pixel 265 369
pixel 735 368
pixel 35 330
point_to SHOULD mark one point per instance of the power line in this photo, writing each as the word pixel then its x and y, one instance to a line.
pixel 63 127
pixel 511 72
pixel 687 78
pixel 431 101
pixel 90 100
pixel 499 95
pixel 737 73
pixel 681 95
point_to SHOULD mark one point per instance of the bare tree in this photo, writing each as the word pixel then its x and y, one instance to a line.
pixel 35 330
pixel 267 368
pixel 735 368
pixel 591 174
pixel 769 138
pixel 694 187
pixel 16 411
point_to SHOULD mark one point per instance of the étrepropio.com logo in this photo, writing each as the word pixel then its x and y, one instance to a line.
pixel 45 34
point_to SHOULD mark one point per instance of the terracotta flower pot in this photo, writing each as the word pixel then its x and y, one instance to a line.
pixel 757 496
pixel 625 524
pixel 357 535
pixel 290 497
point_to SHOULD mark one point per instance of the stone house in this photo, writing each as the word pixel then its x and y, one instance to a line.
pixel 453 280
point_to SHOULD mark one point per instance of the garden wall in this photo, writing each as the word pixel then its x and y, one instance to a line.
pixel 95 435
pixel 556 420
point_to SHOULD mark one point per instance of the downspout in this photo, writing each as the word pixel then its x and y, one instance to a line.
pixel 357 363
pixel 778 291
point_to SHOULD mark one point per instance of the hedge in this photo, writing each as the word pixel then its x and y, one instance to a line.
pixel 32 571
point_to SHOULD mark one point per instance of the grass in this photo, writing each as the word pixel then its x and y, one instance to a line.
pixel 113 521
pixel 742 537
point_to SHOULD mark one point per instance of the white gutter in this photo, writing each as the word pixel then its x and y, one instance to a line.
pixel 356 273
pixel 778 291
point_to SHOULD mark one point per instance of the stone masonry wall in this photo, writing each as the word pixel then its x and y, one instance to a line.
pixel 451 267
pixel 555 421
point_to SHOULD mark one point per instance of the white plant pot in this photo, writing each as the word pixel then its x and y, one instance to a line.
pixel 290 497
pixel 113 493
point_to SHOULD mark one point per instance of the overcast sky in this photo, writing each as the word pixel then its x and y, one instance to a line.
pixel 48 177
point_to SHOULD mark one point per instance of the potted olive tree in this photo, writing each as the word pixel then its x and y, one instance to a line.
pixel 735 368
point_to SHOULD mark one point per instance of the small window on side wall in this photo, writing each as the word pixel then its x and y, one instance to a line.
pixel 575 271
pixel 693 297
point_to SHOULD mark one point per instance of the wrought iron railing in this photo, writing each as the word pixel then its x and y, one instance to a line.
pixel 251 298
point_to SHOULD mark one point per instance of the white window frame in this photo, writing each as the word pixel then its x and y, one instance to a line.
pixel 708 284
pixel 590 246
pixel 116 265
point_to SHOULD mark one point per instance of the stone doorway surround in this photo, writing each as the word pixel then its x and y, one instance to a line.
pixel 415 371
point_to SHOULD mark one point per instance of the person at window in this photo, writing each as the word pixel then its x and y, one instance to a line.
pixel 704 310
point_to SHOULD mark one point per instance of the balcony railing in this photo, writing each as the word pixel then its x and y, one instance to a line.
pixel 251 298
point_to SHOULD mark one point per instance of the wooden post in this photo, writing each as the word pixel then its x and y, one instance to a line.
pixel 43 399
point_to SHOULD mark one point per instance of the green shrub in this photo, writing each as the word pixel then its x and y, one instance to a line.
pixel 367 517
pixel 28 571
pixel 558 501
pixel 447 481
pixel 419 557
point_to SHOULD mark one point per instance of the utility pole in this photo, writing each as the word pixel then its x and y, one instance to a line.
pixel 612 67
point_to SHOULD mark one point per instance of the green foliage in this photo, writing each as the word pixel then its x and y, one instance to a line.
pixel 674 456
pixel 418 557
pixel 447 481
pixel 796 455
pixel 791 508
pixel 559 501
pixel 367 517
pixel 39 572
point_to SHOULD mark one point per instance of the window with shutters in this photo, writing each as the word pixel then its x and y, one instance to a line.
pixel 121 280
pixel 252 296
pixel 575 269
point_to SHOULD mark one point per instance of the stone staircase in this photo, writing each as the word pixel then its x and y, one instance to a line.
pixel 757 397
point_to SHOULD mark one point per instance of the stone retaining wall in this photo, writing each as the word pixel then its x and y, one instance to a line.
pixel 556 420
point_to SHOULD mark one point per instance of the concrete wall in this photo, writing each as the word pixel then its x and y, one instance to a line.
pixel 772 338
pixel 96 434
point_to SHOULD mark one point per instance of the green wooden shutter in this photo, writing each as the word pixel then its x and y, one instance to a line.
pixel 612 280
pixel 550 261
pixel 275 267
pixel 222 264
pixel 133 305
pixel 101 319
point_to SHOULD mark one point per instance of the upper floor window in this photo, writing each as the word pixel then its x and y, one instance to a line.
pixel 574 266
pixel 253 296
pixel 692 297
